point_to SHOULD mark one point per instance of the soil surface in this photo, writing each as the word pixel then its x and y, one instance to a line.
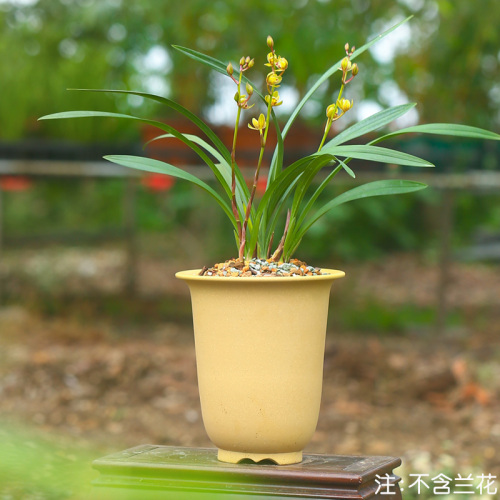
pixel 433 400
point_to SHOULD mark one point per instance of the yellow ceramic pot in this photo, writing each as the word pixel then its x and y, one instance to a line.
pixel 259 352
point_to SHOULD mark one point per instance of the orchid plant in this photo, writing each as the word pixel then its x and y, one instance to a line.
pixel 255 221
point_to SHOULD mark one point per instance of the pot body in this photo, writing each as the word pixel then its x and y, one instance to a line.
pixel 259 353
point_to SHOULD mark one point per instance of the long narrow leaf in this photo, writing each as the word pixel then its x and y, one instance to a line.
pixel 271 225
pixel 160 167
pixel 242 193
pixel 180 109
pixel 375 153
pixel 215 64
pixel 160 125
pixel 209 61
pixel 273 194
pixel 305 181
pixel 370 124
pixel 276 166
pixel 376 188
pixel 449 129
pixel 316 194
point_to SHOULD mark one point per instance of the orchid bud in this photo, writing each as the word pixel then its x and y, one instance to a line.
pixel 242 61
pixel 273 80
pixel 251 63
pixel 345 64
pixel 331 111
pixel 275 99
pixel 281 63
pixel 237 97
pixel 229 69
pixel 345 105
pixel 354 69
pixel 270 42
pixel 249 89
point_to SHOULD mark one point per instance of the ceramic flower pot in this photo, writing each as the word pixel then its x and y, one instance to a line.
pixel 259 353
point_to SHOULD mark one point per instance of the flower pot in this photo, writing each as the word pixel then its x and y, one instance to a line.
pixel 259 352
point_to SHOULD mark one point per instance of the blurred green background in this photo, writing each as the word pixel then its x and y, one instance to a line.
pixel 100 251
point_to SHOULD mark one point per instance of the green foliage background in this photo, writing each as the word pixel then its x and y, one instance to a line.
pixel 450 65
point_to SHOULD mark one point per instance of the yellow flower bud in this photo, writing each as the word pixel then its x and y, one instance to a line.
pixel 354 69
pixel 281 63
pixel 345 105
pixel 229 69
pixel 345 64
pixel 270 59
pixel 242 61
pixel 249 89
pixel 251 63
pixel 331 111
pixel 270 42
pixel 275 99
pixel 273 80
pixel 237 97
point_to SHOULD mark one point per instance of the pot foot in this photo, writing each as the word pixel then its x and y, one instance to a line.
pixel 234 457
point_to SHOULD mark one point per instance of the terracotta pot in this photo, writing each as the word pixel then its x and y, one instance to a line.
pixel 259 352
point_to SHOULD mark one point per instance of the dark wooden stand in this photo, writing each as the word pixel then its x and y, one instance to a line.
pixel 149 471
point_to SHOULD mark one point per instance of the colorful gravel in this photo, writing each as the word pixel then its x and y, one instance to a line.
pixel 262 268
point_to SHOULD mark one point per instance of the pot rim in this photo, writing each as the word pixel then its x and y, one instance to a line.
pixel 193 275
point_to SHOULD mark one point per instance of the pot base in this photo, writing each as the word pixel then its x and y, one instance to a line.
pixel 234 457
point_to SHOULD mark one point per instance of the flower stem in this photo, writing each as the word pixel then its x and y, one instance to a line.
pixel 263 139
pixel 233 169
pixel 331 120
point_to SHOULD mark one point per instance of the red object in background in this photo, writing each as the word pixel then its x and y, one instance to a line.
pixel 158 182
pixel 261 185
pixel 15 183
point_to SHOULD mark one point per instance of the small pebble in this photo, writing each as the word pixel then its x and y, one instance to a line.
pixel 261 267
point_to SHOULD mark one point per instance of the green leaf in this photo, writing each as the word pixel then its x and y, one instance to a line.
pixel 305 180
pixel 376 188
pixel 242 193
pixel 449 129
pixel 317 192
pixel 375 153
pixel 215 64
pixel 277 165
pixel 346 168
pixel 160 167
pixel 207 60
pixel 160 125
pixel 180 109
pixel 273 194
pixel 370 124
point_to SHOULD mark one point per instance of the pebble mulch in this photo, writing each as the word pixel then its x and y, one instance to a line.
pixel 261 267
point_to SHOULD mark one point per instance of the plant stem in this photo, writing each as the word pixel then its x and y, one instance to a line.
pixel 233 169
pixel 263 139
pixel 331 120
pixel 277 253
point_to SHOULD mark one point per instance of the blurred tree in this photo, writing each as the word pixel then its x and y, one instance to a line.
pixel 453 64
pixel 49 45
